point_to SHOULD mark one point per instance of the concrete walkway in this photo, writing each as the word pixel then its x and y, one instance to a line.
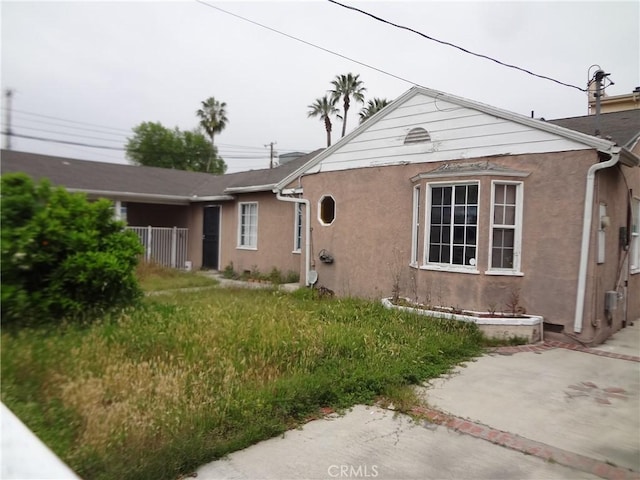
pixel 543 412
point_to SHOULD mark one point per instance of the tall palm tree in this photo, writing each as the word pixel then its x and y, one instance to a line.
pixel 346 87
pixel 213 119
pixel 324 107
pixel 372 107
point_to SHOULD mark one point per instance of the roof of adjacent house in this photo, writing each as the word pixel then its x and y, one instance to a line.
pixel 144 183
pixel 621 127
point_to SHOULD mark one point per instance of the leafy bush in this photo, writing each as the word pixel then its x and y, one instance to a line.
pixel 62 256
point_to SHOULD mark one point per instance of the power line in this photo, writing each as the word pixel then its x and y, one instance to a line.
pixel 122 149
pixel 57 124
pixel 64 142
pixel 70 121
pixel 308 43
pixel 67 134
pixel 456 46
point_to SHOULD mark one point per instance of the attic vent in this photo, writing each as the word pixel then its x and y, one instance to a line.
pixel 417 135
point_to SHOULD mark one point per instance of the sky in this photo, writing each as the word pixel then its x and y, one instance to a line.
pixel 88 72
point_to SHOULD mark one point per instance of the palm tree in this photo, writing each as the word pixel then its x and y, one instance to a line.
pixel 213 118
pixel 324 107
pixel 372 107
pixel 346 87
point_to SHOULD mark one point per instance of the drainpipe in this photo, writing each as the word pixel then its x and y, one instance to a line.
pixel 586 234
pixel 307 233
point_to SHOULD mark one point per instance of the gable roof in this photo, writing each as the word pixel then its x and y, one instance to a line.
pixel 579 140
pixel 143 184
pixel 622 127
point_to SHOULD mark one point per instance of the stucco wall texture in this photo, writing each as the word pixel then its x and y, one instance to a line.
pixel 370 239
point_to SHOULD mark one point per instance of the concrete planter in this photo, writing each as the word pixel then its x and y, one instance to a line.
pixel 493 326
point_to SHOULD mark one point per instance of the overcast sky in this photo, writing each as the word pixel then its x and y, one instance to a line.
pixel 108 66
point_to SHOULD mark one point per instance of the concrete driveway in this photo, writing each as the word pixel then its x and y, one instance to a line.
pixel 543 412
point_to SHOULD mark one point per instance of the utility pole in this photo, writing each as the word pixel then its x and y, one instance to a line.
pixel 7 132
pixel 271 153
pixel 599 78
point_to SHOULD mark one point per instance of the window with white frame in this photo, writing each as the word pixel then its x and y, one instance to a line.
pixel 506 227
pixel 452 225
pixel 248 225
pixel 297 230
pixel 327 210
pixel 415 234
pixel 635 236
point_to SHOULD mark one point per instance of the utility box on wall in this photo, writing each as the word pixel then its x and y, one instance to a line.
pixel 610 301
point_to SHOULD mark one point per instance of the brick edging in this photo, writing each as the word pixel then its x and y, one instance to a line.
pixel 526 446
pixel 551 344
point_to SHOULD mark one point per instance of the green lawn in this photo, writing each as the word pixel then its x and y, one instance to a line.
pixel 189 377
pixel 155 278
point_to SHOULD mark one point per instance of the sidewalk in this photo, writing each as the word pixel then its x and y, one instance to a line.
pixel 543 412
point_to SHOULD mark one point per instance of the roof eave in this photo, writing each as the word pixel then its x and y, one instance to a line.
pixel 212 198
pixel 629 159
pixel 134 197
pixel 251 189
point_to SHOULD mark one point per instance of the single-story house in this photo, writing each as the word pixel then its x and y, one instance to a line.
pixel 214 217
pixel 454 203
pixel 443 200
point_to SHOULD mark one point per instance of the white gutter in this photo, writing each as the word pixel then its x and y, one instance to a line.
pixel 251 189
pixel 586 234
pixel 307 233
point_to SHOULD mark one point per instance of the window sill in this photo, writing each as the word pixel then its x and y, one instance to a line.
pixel 634 271
pixel 297 252
pixel 451 269
pixel 239 247
pixel 506 273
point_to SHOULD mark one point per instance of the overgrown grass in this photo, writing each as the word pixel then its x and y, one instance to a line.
pixel 189 377
pixel 153 278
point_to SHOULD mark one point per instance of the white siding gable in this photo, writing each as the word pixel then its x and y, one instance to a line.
pixel 457 132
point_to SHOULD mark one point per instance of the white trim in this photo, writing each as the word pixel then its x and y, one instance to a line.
pixel 517 227
pixel 634 247
pixel 239 242
pixel 415 226
pixel 335 208
pixel 453 268
pixel 297 227
pixel 250 189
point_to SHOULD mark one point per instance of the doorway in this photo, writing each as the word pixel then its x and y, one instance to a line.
pixel 211 238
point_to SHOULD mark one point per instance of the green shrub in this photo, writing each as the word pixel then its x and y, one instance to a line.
pixel 62 256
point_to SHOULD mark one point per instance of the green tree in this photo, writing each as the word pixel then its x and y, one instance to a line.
pixel 324 107
pixel 154 145
pixel 213 117
pixel 372 107
pixel 346 87
pixel 63 257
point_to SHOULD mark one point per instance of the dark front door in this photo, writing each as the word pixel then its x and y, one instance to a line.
pixel 211 238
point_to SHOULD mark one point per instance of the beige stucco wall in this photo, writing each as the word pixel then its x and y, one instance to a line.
pixel 275 236
pixel 370 238
pixel 633 287
pixel 194 222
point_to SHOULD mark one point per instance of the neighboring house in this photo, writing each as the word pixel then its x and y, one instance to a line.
pixel 471 206
pixel 615 103
pixel 216 216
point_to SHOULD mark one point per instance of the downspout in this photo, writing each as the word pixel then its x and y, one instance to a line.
pixel 307 234
pixel 586 234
